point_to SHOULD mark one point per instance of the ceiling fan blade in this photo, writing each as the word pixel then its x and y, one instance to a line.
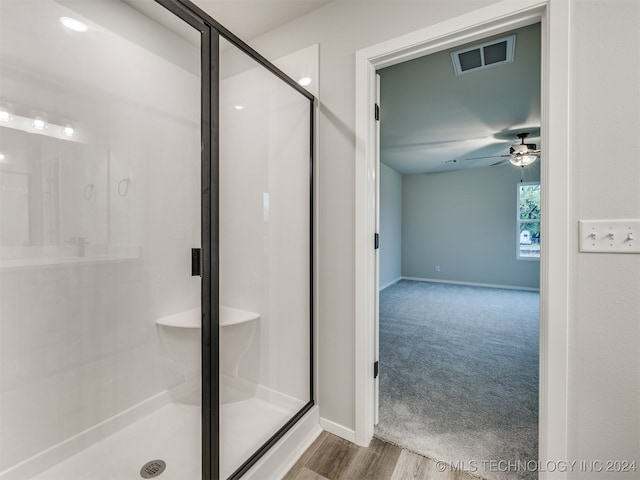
pixel 500 162
pixel 490 156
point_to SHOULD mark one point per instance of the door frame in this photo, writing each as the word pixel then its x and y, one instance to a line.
pixel 554 16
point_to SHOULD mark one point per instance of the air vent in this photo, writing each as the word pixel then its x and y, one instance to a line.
pixel 495 52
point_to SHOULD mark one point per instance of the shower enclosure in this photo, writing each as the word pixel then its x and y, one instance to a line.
pixel 156 186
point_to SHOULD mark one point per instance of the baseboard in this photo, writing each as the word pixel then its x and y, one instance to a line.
pixel 337 429
pixel 390 283
pixel 473 284
pixel 286 452
pixel 72 445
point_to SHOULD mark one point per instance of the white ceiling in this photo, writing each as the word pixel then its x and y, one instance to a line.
pixel 47 53
pixel 430 116
pixel 248 19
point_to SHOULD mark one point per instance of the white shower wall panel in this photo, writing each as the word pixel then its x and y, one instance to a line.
pixel 78 339
pixel 265 224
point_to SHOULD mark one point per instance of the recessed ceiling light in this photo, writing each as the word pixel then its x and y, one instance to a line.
pixel 73 24
pixel 6 111
pixel 304 81
pixel 2 157
pixel 238 107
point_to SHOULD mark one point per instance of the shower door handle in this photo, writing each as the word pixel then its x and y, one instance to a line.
pixel 196 262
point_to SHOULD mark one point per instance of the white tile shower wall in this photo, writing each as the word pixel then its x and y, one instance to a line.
pixel 72 354
pixel 289 257
pixel 78 341
pixel 264 224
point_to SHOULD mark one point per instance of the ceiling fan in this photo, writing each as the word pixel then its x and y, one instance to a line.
pixel 520 154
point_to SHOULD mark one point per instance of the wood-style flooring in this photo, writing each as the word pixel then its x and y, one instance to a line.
pixel 332 458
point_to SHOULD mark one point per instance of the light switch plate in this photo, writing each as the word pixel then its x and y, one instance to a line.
pixel 610 236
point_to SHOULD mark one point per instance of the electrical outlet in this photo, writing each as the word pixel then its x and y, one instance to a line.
pixel 610 236
pixel 437 268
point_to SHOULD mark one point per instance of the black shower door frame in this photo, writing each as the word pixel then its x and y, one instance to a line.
pixel 211 31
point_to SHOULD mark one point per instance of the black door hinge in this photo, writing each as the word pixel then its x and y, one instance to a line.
pixel 196 262
pixel 375 369
pixel 377 112
pixel 376 241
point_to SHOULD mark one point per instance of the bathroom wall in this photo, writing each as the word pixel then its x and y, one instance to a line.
pixel 78 340
pixel 342 28
pixel 604 332
pixel 604 352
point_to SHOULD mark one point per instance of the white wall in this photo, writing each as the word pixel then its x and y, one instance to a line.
pixel 464 221
pixel 604 329
pixel 342 28
pixel 604 335
pixel 390 225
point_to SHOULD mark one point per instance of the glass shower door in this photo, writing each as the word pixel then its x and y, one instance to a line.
pixel 265 257
pixel 100 179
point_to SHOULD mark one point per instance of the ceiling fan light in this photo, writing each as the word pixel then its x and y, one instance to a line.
pixel 519 149
pixel 522 160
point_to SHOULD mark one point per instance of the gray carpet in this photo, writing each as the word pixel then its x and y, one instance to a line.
pixel 459 375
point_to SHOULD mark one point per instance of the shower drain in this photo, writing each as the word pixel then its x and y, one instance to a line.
pixel 152 469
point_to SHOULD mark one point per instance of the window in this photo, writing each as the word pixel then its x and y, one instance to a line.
pixel 528 233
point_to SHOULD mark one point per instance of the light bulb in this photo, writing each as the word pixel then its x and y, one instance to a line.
pixel 304 81
pixel 38 124
pixel 68 131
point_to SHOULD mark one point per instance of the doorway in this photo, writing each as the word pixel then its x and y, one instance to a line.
pixel 479 24
pixel 458 333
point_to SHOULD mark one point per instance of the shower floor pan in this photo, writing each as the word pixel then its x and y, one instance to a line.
pixel 172 434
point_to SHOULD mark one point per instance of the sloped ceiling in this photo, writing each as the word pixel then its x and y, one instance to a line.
pixel 433 120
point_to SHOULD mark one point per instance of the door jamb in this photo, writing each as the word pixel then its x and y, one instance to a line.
pixel 554 276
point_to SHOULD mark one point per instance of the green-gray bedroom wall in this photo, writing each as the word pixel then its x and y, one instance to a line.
pixel 465 222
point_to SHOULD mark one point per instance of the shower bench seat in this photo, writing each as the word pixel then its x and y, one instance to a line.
pixel 193 318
